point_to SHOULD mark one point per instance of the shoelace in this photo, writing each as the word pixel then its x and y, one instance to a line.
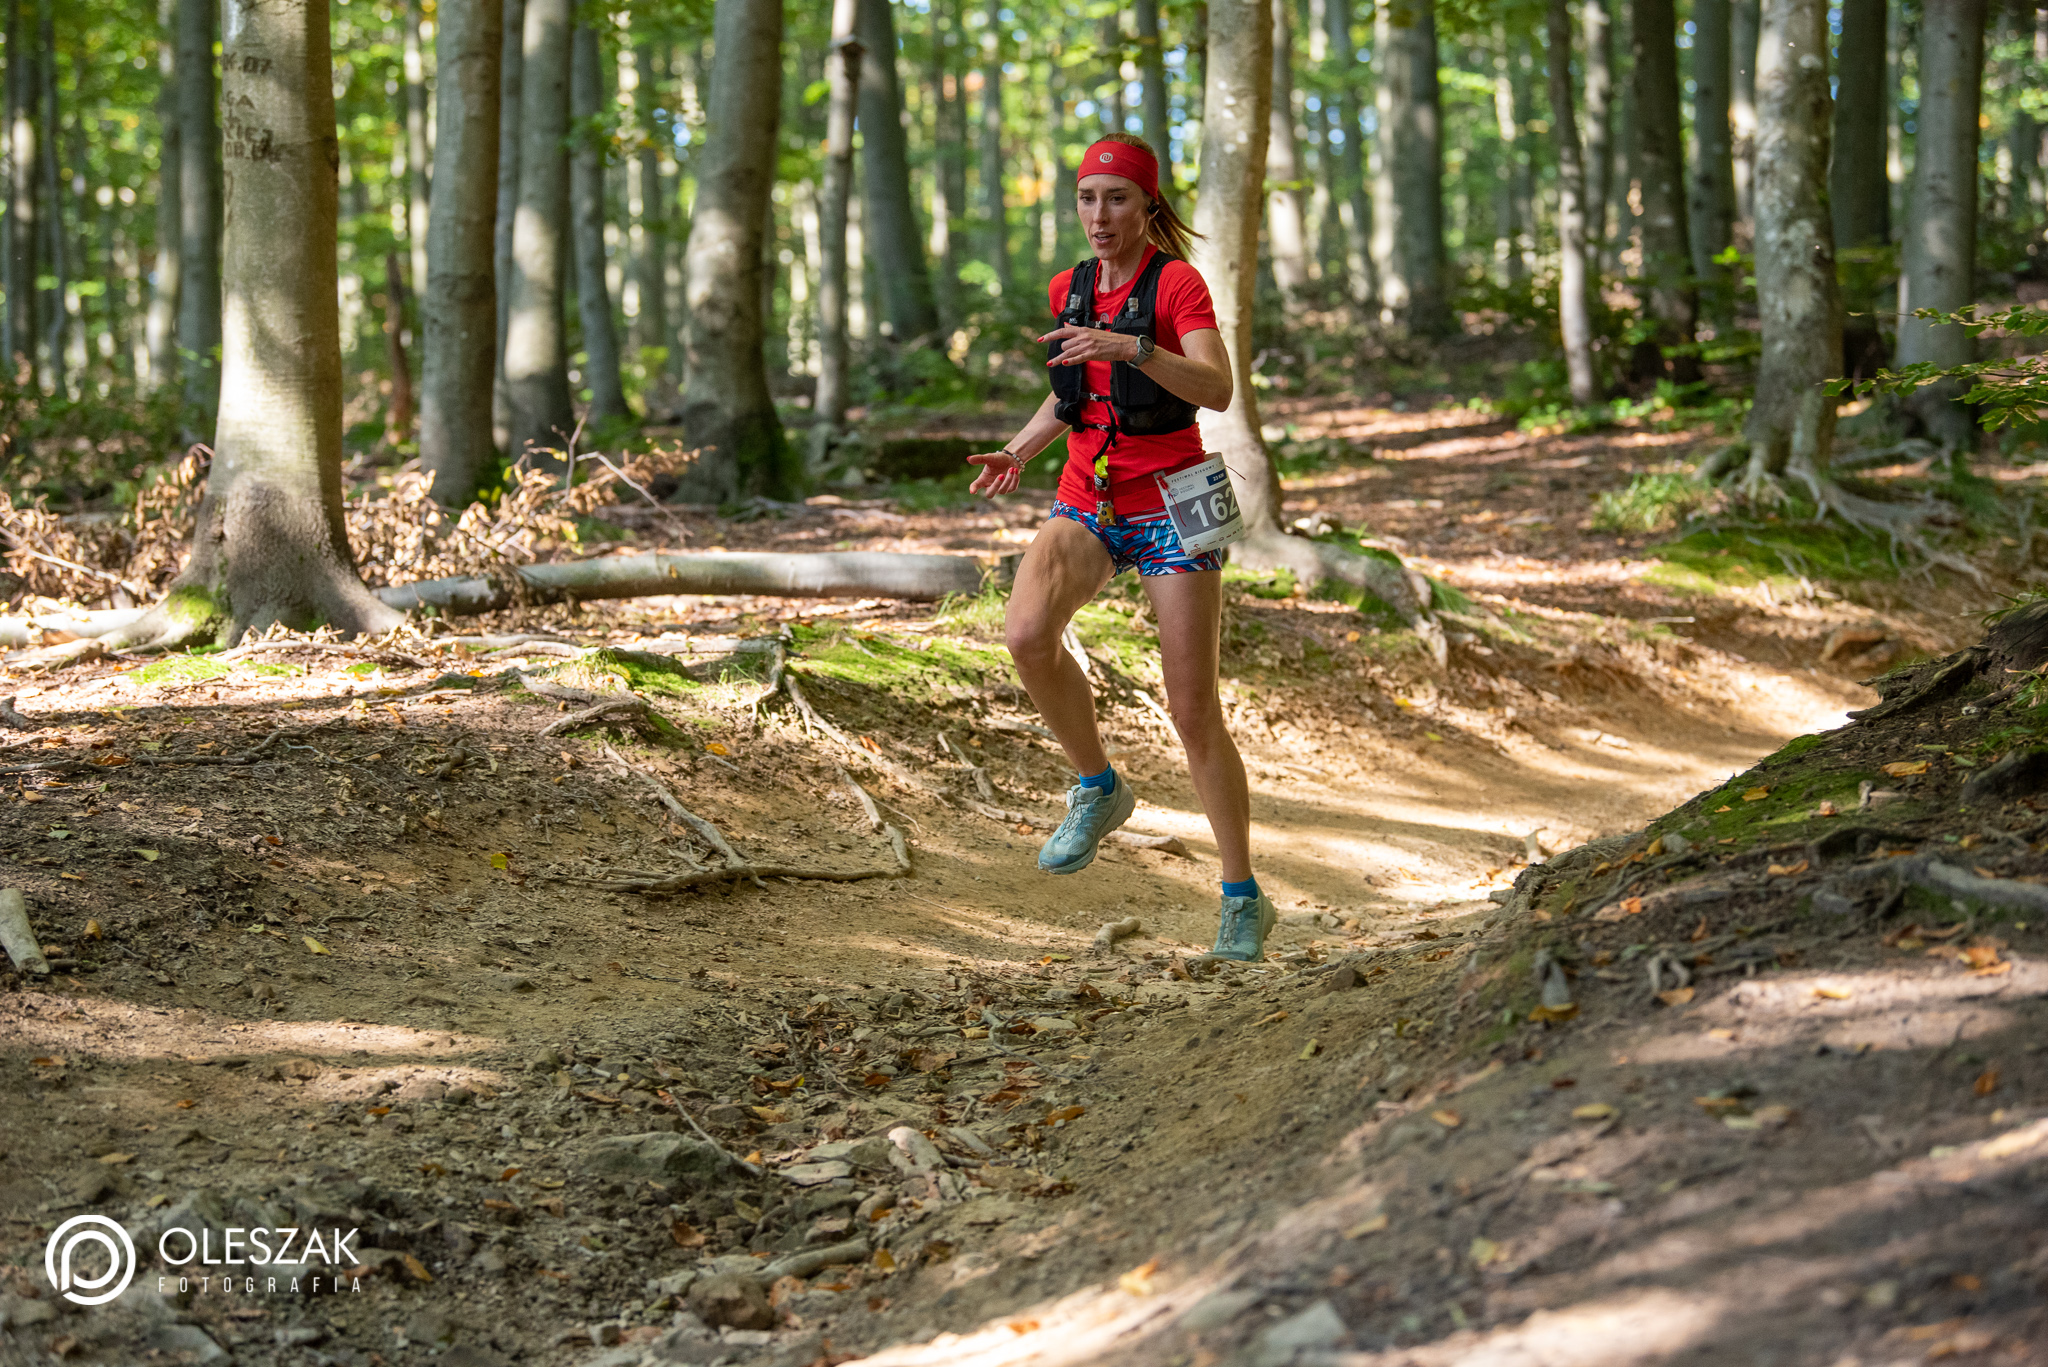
pixel 1077 812
pixel 1233 917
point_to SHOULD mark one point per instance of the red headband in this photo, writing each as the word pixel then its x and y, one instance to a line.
pixel 1107 158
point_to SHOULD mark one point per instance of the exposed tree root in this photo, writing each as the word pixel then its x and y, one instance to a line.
pixel 631 711
pixel 10 717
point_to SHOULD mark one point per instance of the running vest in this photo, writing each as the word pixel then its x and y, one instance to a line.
pixel 1137 404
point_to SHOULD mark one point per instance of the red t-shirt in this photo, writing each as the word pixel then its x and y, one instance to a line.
pixel 1182 306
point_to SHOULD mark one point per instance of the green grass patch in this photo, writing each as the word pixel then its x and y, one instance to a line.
pixel 872 660
pixel 1270 584
pixel 1651 503
pixel 1743 555
pixel 631 671
pixel 191 667
pixel 976 614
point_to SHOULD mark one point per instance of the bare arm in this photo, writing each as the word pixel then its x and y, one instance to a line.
pixel 1001 470
pixel 1202 376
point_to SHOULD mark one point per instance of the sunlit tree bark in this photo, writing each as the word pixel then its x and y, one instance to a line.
pixel 536 347
pixel 727 411
pixel 1286 224
pixel 459 309
pixel 601 373
pixel 1574 305
pixel 1939 255
pixel 842 79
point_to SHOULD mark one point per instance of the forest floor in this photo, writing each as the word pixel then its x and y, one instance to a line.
pixel 365 976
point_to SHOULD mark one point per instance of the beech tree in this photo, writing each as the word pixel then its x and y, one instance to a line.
pixel 1940 248
pixel 1236 105
pixel 1348 163
pixel 1286 223
pixel 1408 224
pixel 727 409
pixel 1673 302
pixel 601 372
pixel 842 80
pixel 888 218
pixel 1791 424
pixel 199 205
pixel 269 545
pixel 459 308
pixel 536 347
pixel 1598 24
pixel 510 62
pixel 1859 195
pixel 1712 185
pixel 1574 303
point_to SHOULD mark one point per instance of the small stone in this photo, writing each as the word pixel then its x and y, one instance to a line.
pixel 915 1155
pixel 829 1230
pixel 1676 844
pixel 670 1159
pixel 1318 1328
pixel 187 1341
pixel 732 1300
pixel 814 1174
pixel 1342 978
pixel 726 1117
pixel 458 1095
pixel 1217 1309
pixel 1053 1025
pixel 422 1089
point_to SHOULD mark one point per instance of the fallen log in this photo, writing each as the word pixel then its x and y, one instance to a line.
pixel 16 632
pixel 822 574
pixel 17 938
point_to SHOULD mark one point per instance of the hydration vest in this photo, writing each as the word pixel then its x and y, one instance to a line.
pixel 1137 404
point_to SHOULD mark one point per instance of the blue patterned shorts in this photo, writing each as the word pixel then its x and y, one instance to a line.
pixel 1148 544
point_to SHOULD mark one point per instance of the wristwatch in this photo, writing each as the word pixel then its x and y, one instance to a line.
pixel 1145 349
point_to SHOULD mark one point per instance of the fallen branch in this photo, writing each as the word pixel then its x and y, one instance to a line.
pixel 979 774
pixel 17 938
pixel 676 882
pixel 1112 931
pixel 712 835
pixel 897 844
pixel 16 632
pixel 828 574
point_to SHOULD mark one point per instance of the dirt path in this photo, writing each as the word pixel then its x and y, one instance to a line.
pixel 362 981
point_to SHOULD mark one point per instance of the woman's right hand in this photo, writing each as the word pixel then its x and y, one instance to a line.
pixel 1001 472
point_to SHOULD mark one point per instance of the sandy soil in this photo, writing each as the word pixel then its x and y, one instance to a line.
pixel 368 979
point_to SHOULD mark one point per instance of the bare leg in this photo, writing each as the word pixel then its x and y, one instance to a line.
pixel 1064 568
pixel 1189 608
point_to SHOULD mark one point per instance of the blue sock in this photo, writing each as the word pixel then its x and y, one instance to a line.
pixel 1248 887
pixel 1106 780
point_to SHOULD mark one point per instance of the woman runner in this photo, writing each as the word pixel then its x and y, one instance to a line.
pixel 1135 352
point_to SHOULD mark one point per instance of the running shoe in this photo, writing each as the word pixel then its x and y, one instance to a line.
pixel 1241 932
pixel 1091 815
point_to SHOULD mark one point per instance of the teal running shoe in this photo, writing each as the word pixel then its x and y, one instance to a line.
pixel 1241 934
pixel 1091 815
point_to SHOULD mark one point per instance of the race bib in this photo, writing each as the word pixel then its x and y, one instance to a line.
pixel 1203 506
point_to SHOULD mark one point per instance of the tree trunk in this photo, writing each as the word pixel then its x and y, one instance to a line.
pixel 992 147
pixel 651 331
pixel 1354 195
pixel 398 417
pixel 269 545
pixel 1236 114
pixel 586 210
pixel 947 163
pixel 1598 24
pixel 1574 307
pixel 1742 26
pixel 1859 195
pixel 1408 224
pixel 1152 67
pixel 199 203
pixel 1712 199
pixel 1673 303
pixel 1508 221
pixel 417 186
pixel 160 328
pixel 1791 424
pixel 816 574
pixel 728 411
pixel 1286 225
pixel 1941 231
pixel 56 328
pixel 889 223
pixel 536 349
pixel 459 310
pixel 22 83
pixel 842 79
pixel 511 62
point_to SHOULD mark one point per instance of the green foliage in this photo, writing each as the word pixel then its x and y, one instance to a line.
pixel 2009 392
pixel 1745 553
pixel 1651 503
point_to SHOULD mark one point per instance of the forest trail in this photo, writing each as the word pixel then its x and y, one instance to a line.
pixel 363 980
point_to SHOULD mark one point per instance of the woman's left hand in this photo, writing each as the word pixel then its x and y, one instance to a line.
pixel 1080 345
